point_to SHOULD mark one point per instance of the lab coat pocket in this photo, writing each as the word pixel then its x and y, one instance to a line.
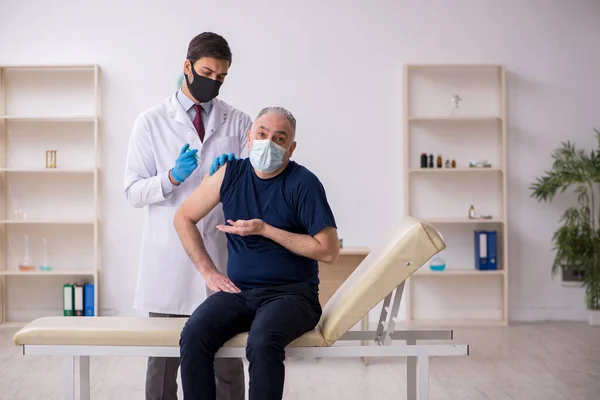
pixel 162 228
pixel 228 144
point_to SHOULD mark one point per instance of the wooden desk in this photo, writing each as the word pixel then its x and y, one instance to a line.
pixel 332 276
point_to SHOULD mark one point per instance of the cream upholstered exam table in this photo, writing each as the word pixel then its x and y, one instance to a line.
pixel 380 276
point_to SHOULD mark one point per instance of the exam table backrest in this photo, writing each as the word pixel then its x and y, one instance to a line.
pixel 402 251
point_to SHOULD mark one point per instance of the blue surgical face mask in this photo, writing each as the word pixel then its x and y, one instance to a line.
pixel 266 156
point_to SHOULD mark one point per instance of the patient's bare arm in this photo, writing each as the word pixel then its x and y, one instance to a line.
pixel 198 204
pixel 324 246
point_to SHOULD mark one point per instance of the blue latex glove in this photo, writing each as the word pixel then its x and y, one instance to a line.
pixel 185 164
pixel 220 161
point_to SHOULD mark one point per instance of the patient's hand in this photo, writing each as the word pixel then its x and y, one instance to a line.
pixel 217 282
pixel 243 227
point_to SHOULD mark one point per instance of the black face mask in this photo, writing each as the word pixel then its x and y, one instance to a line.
pixel 203 89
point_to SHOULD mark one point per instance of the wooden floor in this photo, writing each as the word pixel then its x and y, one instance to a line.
pixel 543 361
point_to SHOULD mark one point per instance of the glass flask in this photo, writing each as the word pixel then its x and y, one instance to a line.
pixel 25 263
pixel 45 265
pixel 437 263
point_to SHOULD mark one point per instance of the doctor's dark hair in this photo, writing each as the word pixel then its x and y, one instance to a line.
pixel 209 44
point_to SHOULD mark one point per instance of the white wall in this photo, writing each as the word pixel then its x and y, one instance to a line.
pixel 338 66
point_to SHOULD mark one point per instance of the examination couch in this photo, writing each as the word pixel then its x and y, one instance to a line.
pixel 379 278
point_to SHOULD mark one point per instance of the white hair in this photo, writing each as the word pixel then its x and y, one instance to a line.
pixel 280 111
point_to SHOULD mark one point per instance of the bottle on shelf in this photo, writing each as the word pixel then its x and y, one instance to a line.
pixel 453 163
pixel 25 264
pixel 439 161
pixel 423 160
pixel 471 212
pixel 431 160
pixel 45 265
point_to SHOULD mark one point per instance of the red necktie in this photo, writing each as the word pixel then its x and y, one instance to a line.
pixel 198 122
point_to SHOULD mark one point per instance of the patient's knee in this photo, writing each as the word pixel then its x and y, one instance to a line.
pixel 197 332
pixel 264 346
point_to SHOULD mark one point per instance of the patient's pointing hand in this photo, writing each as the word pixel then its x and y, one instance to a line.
pixel 243 227
pixel 218 282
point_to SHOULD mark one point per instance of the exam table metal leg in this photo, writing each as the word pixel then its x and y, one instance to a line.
pixel 84 378
pixel 411 374
pixel 423 374
pixel 69 371
pixel 365 327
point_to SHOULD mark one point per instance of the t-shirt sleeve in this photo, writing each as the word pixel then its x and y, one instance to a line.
pixel 313 208
pixel 232 173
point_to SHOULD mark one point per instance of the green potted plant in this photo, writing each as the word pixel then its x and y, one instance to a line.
pixel 577 240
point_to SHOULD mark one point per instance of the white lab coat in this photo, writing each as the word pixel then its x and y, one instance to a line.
pixel 168 282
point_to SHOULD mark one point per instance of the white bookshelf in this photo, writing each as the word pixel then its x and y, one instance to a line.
pixel 48 107
pixel 460 295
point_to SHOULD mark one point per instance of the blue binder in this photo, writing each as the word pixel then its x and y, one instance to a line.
pixel 486 250
pixel 88 301
pixel 492 241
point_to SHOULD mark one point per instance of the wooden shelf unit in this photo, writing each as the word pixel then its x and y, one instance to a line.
pixel 442 196
pixel 48 107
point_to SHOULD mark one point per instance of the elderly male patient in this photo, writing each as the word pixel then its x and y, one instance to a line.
pixel 279 226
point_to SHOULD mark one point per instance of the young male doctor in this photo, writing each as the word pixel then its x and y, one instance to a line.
pixel 172 146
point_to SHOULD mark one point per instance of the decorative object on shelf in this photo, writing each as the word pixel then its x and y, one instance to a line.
pixel 453 163
pixel 577 240
pixel 431 160
pixel 341 241
pixel 25 264
pixel 45 265
pixel 50 158
pixel 479 164
pixel 447 163
pixel 19 214
pixel 472 212
pixel 439 161
pixel 423 160
pixel 473 215
pixel 437 263
pixel 456 111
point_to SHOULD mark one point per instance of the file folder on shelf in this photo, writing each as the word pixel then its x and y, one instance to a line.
pixel 88 294
pixel 492 250
pixel 78 290
pixel 68 300
pixel 486 250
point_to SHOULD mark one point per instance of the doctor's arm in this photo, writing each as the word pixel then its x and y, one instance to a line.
pixel 142 184
pixel 198 204
pixel 245 127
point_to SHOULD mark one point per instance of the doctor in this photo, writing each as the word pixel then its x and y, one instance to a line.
pixel 161 171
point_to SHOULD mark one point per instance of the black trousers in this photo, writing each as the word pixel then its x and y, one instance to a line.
pixel 273 316
pixel 161 375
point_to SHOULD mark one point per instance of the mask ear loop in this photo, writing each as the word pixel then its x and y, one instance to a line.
pixel 194 74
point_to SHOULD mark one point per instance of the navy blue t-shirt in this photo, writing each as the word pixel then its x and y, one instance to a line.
pixel 294 201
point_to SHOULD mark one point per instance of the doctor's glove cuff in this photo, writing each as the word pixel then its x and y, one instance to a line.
pixel 175 176
pixel 220 161
pixel 183 169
